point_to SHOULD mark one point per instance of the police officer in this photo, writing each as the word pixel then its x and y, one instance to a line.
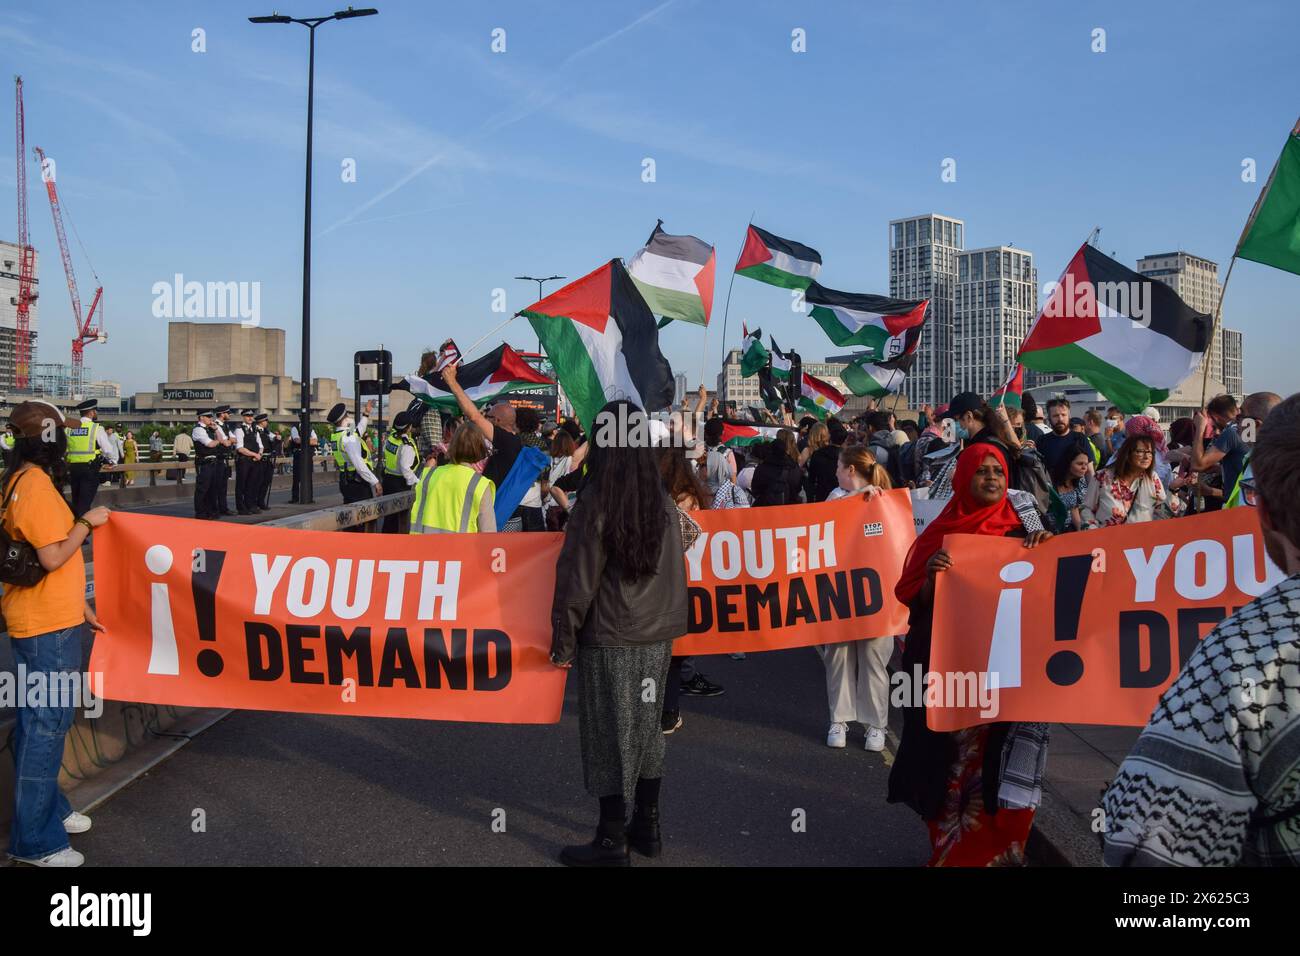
pixel 207 465
pixel 7 444
pixel 399 470
pixel 248 455
pixel 89 446
pixel 226 456
pixel 266 467
pixel 352 456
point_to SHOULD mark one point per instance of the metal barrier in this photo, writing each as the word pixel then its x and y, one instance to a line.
pixel 181 467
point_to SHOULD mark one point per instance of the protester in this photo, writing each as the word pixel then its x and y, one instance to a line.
pixel 1214 779
pixel 1128 491
pixel 857 675
pixel 620 600
pixel 47 621
pixel 455 497
pixel 883 444
pixel 1071 480
pixel 777 479
pixel 1060 438
pixel 825 461
pixel 976 788
pixel 1035 427
pixel 720 463
pixel 1113 431
pixel 130 455
pixel 1232 448
pixel 566 459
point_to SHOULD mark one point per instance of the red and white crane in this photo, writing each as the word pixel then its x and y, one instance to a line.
pixel 87 331
pixel 26 258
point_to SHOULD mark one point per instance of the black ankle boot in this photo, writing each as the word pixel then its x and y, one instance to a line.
pixel 643 831
pixel 608 849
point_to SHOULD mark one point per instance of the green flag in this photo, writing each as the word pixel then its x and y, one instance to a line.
pixel 1272 234
pixel 754 356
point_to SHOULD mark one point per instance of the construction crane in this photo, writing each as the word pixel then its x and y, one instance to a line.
pixel 87 331
pixel 26 259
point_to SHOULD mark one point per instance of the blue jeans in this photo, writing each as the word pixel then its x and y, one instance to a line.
pixel 39 805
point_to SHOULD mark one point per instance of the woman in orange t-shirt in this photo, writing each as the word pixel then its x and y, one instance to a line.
pixel 46 623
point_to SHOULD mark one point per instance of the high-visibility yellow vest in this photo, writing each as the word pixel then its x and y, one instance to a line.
pixel 341 459
pixel 1235 499
pixel 392 448
pixel 448 499
pixel 82 443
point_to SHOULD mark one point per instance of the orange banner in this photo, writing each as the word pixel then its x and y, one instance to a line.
pixel 1089 628
pixel 440 627
pixel 763 579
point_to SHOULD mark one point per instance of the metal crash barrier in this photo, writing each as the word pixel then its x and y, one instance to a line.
pixel 99 750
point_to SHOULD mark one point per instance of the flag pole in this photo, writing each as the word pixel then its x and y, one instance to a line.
pixel 1214 329
pixel 897 395
pixel 465 353
pixel 726 309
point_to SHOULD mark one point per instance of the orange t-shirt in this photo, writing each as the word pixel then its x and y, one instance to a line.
pixel 38 515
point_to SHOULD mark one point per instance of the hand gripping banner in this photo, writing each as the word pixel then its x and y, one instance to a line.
pixel 441 627
pixel 1089 628
pixel 763 579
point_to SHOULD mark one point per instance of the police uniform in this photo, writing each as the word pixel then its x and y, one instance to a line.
pixel 265 467
pixel 224 456
pixel 7 444
pixel 207 466
pixel 400 455
pixel 247 447
pixel 352 456
pixel 88 448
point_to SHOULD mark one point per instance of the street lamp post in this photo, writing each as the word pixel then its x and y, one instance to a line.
pixel 304 421
pixel 539 295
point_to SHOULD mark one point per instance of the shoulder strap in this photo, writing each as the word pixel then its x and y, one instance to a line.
pixel 9 492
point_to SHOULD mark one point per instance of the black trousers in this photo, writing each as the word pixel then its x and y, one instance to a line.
pixel 245 484
pixel 355 489
pixel 267 468
pixel 399 522
pixel 223 487
pixel 205 488
pixel 83 482
pixel 296 494
pixel 534 519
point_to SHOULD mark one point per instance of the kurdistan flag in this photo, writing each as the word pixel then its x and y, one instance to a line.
pixel 603 344
pixel 862 377
pixel 501 371
pixel 754 357
pixel 1131 338
pixel 818 397
pixel 1272 233
pixel 886 328
pixel 776 261
pixel 675 276
pixel 740 434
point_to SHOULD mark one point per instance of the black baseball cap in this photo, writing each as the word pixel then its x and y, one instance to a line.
pixel 961 404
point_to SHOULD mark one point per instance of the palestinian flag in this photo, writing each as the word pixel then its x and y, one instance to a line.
pixel 603 344
pixel 501 371
pixel 885 327
pixel 819 398
pixel 754 357
pixel 740 434
pixel 777 261
pixel 675 276
pixel 1272 233
pixel 1011 391
pixel 862 377
pixel 780 362
pixel 1131 338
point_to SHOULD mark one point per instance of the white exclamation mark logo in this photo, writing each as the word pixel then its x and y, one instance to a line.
pixel 163 656
pixel 1004 652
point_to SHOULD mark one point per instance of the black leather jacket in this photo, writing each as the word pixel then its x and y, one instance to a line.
pixel 596 605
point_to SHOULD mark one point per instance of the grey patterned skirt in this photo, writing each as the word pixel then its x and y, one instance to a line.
pixel 619 715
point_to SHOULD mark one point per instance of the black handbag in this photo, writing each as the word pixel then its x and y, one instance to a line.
pixel 20 566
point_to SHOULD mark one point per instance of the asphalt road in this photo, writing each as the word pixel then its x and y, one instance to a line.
pixel 288 789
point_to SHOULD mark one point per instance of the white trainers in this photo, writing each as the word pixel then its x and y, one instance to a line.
pixel 875 741
pixel 65 857
pixel 76 822
pixel 837 736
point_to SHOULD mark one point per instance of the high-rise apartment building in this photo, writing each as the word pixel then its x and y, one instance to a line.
pixel 923 253
pixel 1196 280
pixel 995 304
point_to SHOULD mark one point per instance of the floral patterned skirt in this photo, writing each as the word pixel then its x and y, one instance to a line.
pixel 964 833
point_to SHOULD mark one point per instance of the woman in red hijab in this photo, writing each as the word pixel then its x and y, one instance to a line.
pixel 976 788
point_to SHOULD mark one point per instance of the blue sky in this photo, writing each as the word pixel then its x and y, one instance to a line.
pixel 473 166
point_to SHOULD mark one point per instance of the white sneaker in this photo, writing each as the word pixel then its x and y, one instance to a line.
pixel 76 822
pixel 875 741
pixel 837 736
pixel 65 857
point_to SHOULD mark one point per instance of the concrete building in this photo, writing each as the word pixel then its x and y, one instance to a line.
pixel 226 363
pixel 923 254
pixel 996 302
pixel 9 267
pixel 1196 280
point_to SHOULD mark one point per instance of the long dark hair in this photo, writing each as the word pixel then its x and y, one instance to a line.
pixel 681 478
pixel 1061 467
pixel 49 456
pixel 623 482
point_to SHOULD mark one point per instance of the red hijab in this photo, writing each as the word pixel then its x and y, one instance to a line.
pixel 963 514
